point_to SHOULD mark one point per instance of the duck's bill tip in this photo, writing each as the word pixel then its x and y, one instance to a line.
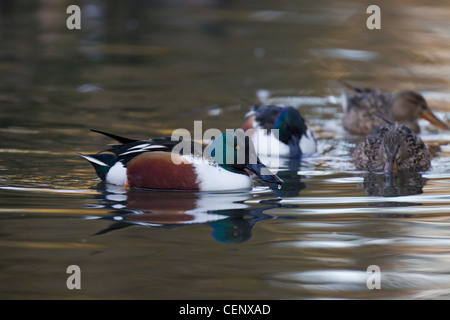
pixel 294 148
pixel 390 167
pixel 431 117
pixel 264 173
pixel 272 178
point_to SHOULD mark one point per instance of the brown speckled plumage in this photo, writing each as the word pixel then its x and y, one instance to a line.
pixel 410 152
pixel 363 111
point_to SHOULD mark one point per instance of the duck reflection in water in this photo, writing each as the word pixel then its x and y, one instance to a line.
pixel 393 185
pixel 288 169
pixel 230 218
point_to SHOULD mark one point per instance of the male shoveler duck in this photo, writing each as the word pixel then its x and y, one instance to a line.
pixel 160 164
pixel 392 148
pixel 362 110
pixel 294 137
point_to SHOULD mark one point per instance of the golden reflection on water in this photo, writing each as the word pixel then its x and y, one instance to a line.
pixel 144 71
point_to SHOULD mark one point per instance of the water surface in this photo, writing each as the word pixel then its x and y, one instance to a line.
pixel 142 69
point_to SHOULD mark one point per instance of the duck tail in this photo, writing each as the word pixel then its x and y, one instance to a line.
pixel 356 89
pixel 349 86
pixel 344 98
pixel 344 101
pixel 120 139
pixel 101 162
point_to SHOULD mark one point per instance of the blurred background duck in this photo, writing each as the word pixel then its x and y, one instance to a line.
pixel 392 148
pixel 294 137
pixel 363 108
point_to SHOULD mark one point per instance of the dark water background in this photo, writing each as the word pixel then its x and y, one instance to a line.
pixel 144 68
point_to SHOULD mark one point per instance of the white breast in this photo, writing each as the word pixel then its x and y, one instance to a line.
pixel 269 145
pixel 214 178
pixel 308 143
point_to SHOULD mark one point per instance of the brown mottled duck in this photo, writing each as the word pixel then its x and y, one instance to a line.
pixel 392 148
pixel 362 110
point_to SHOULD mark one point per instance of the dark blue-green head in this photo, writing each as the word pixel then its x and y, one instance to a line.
pixel 235 152
pixel 232 230
pixel 291 126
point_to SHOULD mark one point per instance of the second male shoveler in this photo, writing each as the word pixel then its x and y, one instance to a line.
pixel 364 111
pixel 294 137
pixel 224 165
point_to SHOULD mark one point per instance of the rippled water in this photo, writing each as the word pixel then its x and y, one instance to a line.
pixel 146 68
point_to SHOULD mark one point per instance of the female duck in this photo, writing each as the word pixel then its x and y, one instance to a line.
pixel 392 148
pixel 363 111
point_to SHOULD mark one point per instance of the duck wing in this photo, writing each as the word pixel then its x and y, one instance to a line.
pixel 128 148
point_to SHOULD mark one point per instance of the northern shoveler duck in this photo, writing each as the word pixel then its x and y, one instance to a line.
pixel 392 148
pixel 362 110
pixel 224 165
pixel 294 137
